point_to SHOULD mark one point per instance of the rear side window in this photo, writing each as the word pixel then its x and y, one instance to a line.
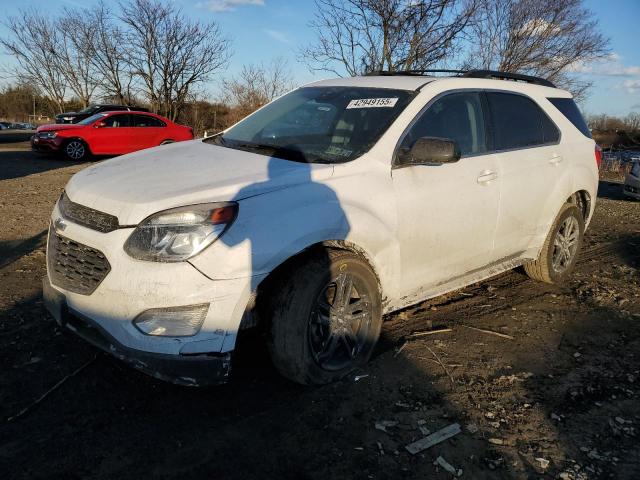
pixel 146 121
pixel 570 110
pixel 518 122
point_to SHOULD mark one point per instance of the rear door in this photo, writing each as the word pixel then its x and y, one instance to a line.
pixel 115 137
pixel 527 145
pixel 148 131
pixel 447 213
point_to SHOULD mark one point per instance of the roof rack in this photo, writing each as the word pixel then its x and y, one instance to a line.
pixel 417 73
pixel 518 77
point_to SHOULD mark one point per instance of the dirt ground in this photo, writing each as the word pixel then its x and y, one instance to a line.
pixel 557 396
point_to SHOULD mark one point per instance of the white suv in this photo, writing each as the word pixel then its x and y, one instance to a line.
pixel 333 205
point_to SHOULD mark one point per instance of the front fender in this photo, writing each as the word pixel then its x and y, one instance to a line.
pixel 274 227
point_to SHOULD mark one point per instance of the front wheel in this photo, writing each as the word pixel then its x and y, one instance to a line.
pixel 560 250
pixel 76 150
pixel 326 318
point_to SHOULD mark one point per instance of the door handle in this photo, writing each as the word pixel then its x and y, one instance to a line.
pixel 555 160
pixel 486 176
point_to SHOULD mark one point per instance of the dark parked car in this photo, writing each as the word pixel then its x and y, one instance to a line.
pixel 75 117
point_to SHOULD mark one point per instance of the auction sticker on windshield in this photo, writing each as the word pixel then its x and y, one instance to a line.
pixel 372 102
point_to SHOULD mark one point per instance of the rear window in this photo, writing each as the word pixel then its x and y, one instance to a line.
pixel 570 110
pixel 518 122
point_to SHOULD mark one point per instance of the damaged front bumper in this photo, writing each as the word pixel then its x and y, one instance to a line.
pixel 198 369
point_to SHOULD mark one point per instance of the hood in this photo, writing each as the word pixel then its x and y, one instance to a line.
pixel 67 114
pixel 54 127
pixel 134 186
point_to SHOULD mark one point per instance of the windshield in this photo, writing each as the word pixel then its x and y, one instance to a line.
pixel 90 109
pixel 318 124
pixel 91 119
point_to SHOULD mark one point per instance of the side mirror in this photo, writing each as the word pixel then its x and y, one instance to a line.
pixel 99 125
pixel 429 151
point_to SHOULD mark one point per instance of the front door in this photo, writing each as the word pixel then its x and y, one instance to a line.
pixel 114 138
pixel 447 213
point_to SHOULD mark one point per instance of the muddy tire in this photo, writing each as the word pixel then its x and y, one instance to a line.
pixel 325 319
pixel 560 250
pixel 76 150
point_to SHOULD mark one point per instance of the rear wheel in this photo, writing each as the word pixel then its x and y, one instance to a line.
pixel 560 250
pixel 326 318
pixel 76 150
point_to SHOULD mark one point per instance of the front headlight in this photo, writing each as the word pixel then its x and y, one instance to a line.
pixel 48 135
pixel 180 233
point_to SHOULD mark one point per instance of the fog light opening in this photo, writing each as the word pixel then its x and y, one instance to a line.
pixel 184 321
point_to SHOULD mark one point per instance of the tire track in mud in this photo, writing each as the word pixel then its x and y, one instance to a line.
pixel 502 292
pixel 266 397
pixel 452 309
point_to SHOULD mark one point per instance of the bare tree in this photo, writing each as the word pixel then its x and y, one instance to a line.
pixel 169 53
pixel 102 41
pixel 35 42
pixel 255 86
pixel 18 102
pixel 360 36
pixel 544 38
pixel 74 57
pixel 605 122
pixel 632 121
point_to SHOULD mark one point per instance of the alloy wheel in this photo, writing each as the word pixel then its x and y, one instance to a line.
pixel 565 245
pixel 75 150
pixel 339 322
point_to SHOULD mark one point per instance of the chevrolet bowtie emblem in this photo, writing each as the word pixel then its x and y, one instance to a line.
pixel 59 224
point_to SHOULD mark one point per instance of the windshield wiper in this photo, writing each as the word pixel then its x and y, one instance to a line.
pixel 291 154
pixel 276 150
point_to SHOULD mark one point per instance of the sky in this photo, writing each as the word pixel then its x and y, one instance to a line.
pixel 264 29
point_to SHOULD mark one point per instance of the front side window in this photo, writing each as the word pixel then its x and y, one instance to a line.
pixel 518 122
pixel 318 124
pixel 117 121
pixel 458 117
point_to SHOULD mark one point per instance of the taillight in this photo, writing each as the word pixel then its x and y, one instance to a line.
pixel 598 155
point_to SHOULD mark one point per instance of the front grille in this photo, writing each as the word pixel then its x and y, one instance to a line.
pixel 87 217
pixel 74 266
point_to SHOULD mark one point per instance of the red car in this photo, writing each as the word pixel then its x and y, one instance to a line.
pixel 109 133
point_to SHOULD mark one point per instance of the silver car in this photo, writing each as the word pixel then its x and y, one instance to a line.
pixel 632 181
